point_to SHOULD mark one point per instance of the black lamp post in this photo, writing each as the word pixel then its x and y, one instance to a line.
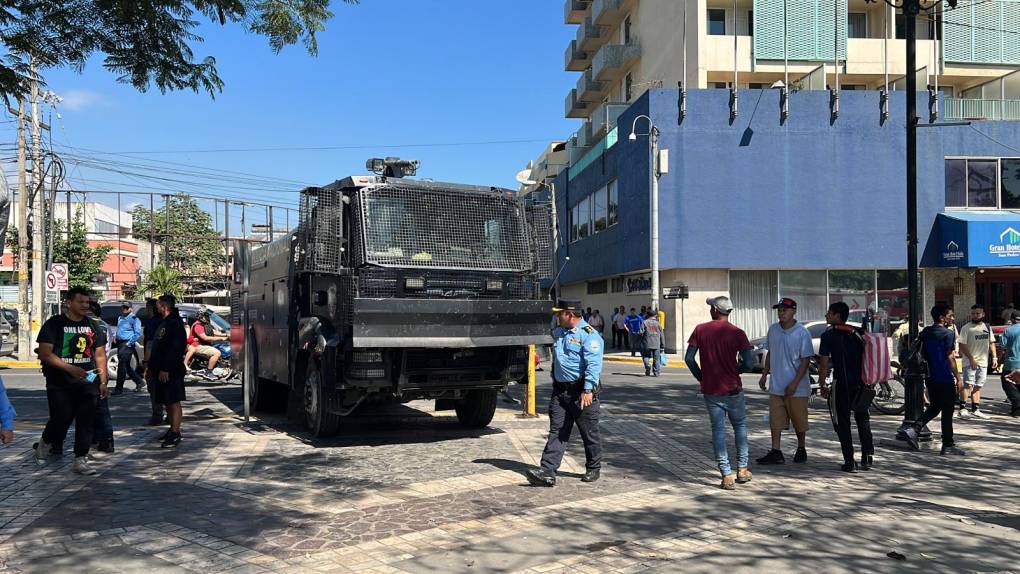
pixel 914 382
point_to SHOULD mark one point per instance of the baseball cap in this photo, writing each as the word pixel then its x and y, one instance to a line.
pixel 785 302
pixel 567 305
pixel 721 304
pixel 1014 316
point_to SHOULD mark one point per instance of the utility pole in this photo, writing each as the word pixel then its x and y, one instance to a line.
pixel 24 309
pixel 38 217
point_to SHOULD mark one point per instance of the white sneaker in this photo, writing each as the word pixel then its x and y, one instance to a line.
pixel 82 466
pixel 42 452
pixel 964 414
pixel 979 414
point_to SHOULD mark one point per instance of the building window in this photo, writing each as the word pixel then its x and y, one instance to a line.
pixel 1010 183
pixel 584 218
pixel 857 25
pixel 626 30
pixel 756 86
pixel 573 224
pixel 750 22
pixel 721 85
pixel 981 184
pixel 852 87
pixel 716 22
pixel 599 208
pixel 628 87
pixel 956 183
pixel 613 211
pixel 598 287
pixel 618 285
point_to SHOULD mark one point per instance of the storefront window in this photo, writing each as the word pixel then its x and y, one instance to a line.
pixel 956 183
pixel 893 299
pixel 981 179
pixel 856 289
pixel 1010 184
pixel 808 289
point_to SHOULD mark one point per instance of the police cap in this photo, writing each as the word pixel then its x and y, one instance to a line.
pixel 567 305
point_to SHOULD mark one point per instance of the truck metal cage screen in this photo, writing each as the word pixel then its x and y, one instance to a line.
pixel 540 222
pixel 446 229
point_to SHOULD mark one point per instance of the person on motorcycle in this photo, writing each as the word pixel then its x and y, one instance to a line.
pixel 841 352
pixel 206 339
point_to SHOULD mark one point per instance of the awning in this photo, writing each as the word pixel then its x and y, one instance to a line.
pixel 974 239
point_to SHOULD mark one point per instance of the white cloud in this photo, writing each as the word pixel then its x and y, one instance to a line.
pixel 77 100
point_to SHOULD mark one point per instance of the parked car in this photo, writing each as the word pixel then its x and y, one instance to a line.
pixel 815 329
pixel 8 337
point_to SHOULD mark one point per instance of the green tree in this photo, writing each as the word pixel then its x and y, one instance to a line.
pixel 143 42
pixel 164 280
pixel 83 262
pixel 179 228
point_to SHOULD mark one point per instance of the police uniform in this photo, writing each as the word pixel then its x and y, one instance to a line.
pixel 577 365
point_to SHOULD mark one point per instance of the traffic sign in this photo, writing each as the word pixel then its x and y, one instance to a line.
pixel 680 292
pixel 56 277
pixel 52 296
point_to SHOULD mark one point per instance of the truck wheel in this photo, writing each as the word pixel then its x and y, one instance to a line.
pixel 319 421
pixel 477 408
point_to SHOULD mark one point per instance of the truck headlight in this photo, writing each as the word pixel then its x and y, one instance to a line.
pixel 414 283
pixel 494 285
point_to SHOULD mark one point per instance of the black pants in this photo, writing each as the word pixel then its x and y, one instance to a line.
pixel 844 397
pixel 71 403
pixel 943 401
pixel 1012 393
pixel 617 338
pixel 125 354
pixel 564 413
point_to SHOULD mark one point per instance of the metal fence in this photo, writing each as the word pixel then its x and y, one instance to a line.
pixel 964 109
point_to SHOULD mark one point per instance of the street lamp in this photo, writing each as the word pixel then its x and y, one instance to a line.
pixel 913 382
pixel 655 171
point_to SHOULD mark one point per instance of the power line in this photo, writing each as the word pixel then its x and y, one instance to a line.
pixel 335 148
pixel 991 139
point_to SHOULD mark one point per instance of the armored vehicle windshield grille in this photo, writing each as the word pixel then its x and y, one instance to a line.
pixel 447 229
pixel 320 231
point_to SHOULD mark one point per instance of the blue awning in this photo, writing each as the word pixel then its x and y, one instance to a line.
pixel 974 239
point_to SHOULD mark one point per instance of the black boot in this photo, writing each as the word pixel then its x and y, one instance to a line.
pixel 866 461
pixel 541 478
pixel 105 446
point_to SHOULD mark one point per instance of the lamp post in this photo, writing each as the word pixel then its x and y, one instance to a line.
pixel 655 172
pixel 913 382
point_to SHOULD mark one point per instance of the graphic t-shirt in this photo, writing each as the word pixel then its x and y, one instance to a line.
pixel 718 343
pixel 978 337
pixel 75 342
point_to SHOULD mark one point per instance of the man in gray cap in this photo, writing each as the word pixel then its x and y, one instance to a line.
pixel 719 343
pixel 577 366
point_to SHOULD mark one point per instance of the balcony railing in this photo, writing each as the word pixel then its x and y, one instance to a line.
pixel 963 109
pixel 575 60
pixel 606 12
pixel 589 36
pixel 612 60
pixel 589 89
pixel 575 108
pixel 605 117
pixel 574 11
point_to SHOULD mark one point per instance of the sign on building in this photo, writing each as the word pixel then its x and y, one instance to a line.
pixel 638 285
pixel 679 292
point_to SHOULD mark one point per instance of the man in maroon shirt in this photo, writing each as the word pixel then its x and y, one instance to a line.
pixel 719 342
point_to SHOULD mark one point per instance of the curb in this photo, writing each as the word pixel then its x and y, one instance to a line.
pixel 673 364
pixel 14 364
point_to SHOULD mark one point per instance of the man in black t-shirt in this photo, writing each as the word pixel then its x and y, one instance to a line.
pixel 842 351
pixel 72 350
pixel 165 366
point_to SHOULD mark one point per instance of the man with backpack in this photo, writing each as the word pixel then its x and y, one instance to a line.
pixel 842 351
pixel 937 345
pixel 977 345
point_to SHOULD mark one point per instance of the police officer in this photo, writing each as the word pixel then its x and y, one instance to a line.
pixel 577 364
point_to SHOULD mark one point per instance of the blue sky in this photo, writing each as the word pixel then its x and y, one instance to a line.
pixel 388 73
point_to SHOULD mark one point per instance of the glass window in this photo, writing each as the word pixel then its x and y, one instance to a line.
pixel 716 22
pixel 598 287
pixel 893 300
pixel 626 30
pixel 599 207
pixel 1010 184
pixel 855 288
pixel 981 180
pixel 584 218
pixel 628 87
pixel 857 25
pixel 956 183
pixel 614 203
pixel 573 224
pixel 808 289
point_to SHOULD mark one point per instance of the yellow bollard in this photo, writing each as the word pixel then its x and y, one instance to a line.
pixel 529 392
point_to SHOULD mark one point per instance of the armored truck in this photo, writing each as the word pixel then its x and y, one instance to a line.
pixel 390 289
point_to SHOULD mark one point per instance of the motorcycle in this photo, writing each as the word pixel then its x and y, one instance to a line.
pixel 890 396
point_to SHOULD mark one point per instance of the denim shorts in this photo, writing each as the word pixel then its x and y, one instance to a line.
pixel 975 377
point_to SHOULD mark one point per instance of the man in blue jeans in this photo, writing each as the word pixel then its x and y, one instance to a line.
pixel 719 342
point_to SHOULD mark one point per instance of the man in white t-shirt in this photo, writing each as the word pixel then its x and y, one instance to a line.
pixel 620 329
pixel 977 347
pixel 787 362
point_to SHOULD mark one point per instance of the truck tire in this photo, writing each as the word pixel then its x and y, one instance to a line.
pixel 319 421
pixel 477 408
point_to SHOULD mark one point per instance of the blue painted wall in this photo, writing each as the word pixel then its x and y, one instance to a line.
pixel 810 194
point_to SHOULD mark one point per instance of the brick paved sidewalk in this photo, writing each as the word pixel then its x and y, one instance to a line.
pixel 411 492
